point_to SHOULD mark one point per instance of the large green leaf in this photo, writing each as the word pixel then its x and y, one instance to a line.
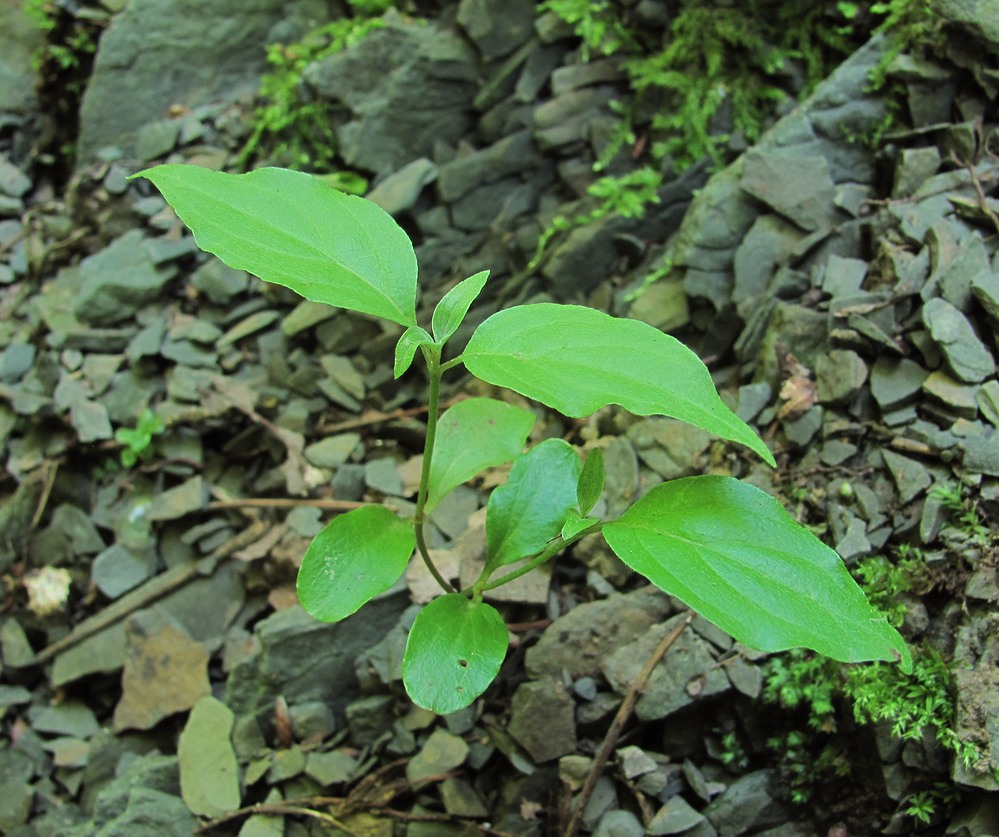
pixel 474 434
pixel 577 360
pixel 454 651
pixel 529 510
pixel 290 228
pixel 731 552
pixel 357 556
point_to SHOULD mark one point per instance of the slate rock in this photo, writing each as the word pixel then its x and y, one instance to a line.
pixel 16 771
pixel 514 154
pixel 582 259
pixel 985 288
pixel 312 660
pixel 209 773
pixel 798 186
pixel 117 570
pixel 118 280
pixel 767 246
pixel 910 477
pixel 165 672
pixel 839 376
pixel 977 721
pixel 462 800
pixel 746 806
pixel 369 718
pixel 542 719
pixel 966 355
pixel 687 673
pixel 619 823
pixel 152 57
pixel 981 454
pixel 960 398
pixel 497 27
pixel 578 641
pixel 675 817
pixel 381 77
pixel 896 382
pixel 129 770
pixel 988 401
pixel 147 813
pixel 443 751
pixel 20 40
pixel 399 192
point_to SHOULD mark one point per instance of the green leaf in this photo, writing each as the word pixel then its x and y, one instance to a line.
pixel 591 482
pixel 731 552
pixel 405 350
pixel 474 434
pixel 576 523
pixel 451 310
pixel 289 228
pixel 528 511
pixel 357 556
pixel 454 651
pixel 577 360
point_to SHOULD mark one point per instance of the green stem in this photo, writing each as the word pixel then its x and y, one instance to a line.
pixel 549 552
pixel 432 355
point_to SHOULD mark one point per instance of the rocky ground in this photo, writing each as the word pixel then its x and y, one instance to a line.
pixel 157 671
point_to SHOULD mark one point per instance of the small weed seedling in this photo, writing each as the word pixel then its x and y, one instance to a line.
pixel 726 548
pixel 138 440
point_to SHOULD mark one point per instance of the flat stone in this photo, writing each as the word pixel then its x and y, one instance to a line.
pixel 910 477
pixel 966 355
pixel 381 77
pixel 675 817
pixel 152 57
pixel 333 451
pixel 746 806
pixel 988 401
pixel 497 27
pixel 20 40
pixel 662 305
pixel 542 719
pixel 189 496
pixel 985 288
pixel 462 800
pixel 91 421
pixel 981 454
pixel 118 569
pixel 843 277
pixel 219 282
pixel 619 823
pixel 165 672
pixel 514 154
pixel 767 246
pixel 797 186
pixel 913 168
pixel 441 752
pixel 209 773
pixel 961 398
pixel 839 375
pixel 399 192
pixel 333 768
pixel 896 382
pixel 686 674
pixel 579 641
pixel 117 281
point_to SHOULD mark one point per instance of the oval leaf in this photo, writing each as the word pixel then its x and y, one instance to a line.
pixel 451 310
pixel 357 556
pixel 289 228
pixel 405 350
pixel 474 434
pixel 591 481
pixel 577 360
pixel 454 651
pixel 731 552
pixel 523 515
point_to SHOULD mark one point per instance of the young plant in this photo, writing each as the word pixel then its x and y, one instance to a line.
pixel 728 549
pixel 138 440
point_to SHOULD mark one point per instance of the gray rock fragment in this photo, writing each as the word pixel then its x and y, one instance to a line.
pixel 796 185
pixel 542 719
pixel 497 27
pixel 966 355
pixel 746 806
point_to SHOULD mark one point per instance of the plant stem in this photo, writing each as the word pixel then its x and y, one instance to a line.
pixel 554 548
pixel 432 355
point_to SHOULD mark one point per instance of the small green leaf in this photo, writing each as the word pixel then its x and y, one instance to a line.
pixel 454 651
pixel 451 310
pixel 576 523
pixel 474 434
pixel 357 556
pixel 289 228
pixel 528 511
pixel 731 552
pixel 591 481
pixel 405 350
pixel 577 360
